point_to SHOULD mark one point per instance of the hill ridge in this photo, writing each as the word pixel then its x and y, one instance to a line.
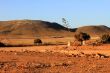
pixel 33 28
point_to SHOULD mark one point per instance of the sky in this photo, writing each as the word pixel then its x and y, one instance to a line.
pixel 76 12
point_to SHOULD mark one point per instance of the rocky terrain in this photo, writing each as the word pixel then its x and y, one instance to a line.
pixel 54 59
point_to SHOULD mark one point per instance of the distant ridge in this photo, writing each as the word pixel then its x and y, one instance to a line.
pixel 33 28
pixel 94 30
pixel 45 28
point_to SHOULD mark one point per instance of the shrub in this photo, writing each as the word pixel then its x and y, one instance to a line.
pixel 82 37
pixel 2 44
pixel 37 41
pixel 105 38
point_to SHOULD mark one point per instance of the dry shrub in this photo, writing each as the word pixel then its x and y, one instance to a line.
pixel 2 44
pixel 105 38
pixel 37 41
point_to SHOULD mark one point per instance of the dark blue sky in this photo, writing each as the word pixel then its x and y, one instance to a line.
pixel 77 12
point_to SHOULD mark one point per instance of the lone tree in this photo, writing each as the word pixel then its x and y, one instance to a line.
pixel 105 38
pixel 82 37
pixel 37 41
pixel 65 23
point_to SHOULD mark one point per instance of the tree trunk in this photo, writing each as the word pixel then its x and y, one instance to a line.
pixel 82 42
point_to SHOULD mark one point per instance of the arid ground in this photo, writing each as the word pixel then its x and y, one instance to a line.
pixel 55 59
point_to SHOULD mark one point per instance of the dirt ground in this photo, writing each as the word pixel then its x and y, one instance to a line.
pixel 55 59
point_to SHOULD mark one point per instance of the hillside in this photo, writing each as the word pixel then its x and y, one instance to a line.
pixel 94 30
pixel 32 28
pixel 43 28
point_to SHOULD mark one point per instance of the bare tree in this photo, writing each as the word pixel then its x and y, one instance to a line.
pixel 65 23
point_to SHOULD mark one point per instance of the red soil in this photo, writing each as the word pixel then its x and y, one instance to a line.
pixel 54 59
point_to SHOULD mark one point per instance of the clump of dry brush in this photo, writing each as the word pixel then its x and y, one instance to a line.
pixel 37 42
pixel 105 38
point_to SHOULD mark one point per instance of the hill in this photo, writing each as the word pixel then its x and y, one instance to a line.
pixel 94 30
pixel 40 28
pixel 32 28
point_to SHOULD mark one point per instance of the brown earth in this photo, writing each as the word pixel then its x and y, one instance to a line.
pixel 39 28
pixel 30 28
pixel 55 59
pixel 94 30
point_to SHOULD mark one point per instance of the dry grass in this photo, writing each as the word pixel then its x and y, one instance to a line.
pixel 45 40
